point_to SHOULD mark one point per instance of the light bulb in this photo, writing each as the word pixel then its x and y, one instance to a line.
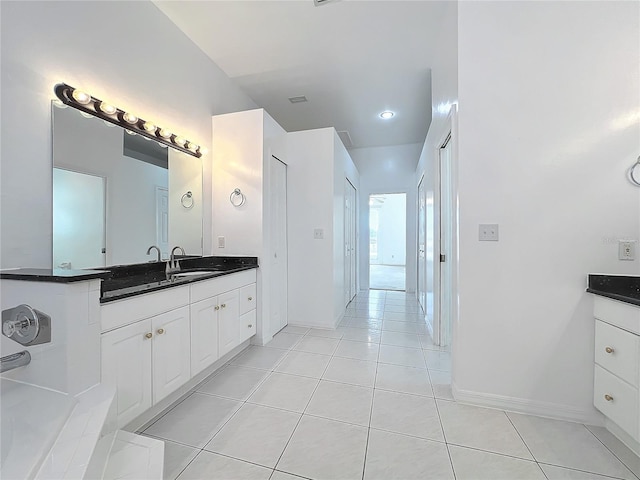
pixel 129 118
pixel 192 146
pixel 164 133
pixel 108 109
pixel 149 127
pixel 81 97
pixel 179 141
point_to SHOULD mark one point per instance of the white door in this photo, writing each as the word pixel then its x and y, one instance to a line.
pixel 162 220
pixel 422 265
pixel 349 241
pixel 126 366
pixel 171 352
pixel 204 334
pixel 78 220
pixel 278 245
pixel 442 330
pixel 228 323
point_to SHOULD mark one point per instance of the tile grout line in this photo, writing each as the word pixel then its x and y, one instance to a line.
pixel 373 394
pixel 525 443
pixel 612 452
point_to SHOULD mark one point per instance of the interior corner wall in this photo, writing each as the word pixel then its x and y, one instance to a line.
pixel 548 126
pixel 46 42
pixel 387 170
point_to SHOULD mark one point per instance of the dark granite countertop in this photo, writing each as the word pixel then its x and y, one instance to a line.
pixel 55 275
pixel 625 288
pixel 131 280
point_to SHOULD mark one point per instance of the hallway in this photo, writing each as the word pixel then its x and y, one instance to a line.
pixel 370 400
pixel 387 277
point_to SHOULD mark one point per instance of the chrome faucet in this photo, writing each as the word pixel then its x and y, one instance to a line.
pixel 173 265
pixel 157 248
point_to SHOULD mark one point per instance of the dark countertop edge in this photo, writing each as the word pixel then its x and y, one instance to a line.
pixel 615 296
pixel 53 276
pixel 182 282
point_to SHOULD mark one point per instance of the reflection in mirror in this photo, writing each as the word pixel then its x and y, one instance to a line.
pixel 115 195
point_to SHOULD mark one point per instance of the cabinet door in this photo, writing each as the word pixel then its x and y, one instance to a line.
pixel 171 352
pixel 126 366
pixel 228 322
pixel 204 334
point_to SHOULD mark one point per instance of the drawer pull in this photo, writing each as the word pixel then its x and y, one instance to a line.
pixel 160 331
pixel 608 398
pixel 148 335
pixel 223 305
pixel 608 350
pixel 250 298
pixel 217 307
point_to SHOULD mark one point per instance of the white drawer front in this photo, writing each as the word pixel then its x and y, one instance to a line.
pixel 622 407
pixel 618 351
pixel 216 286
pixel 247 298
pixel 247 325
pixel 621 314
pixel 122 312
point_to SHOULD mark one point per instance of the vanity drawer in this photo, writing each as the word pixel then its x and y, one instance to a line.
pixel 617 313
pixel 247 298
pixel 247 325
pixel 622 406
pixel 618 351
pixel 210 288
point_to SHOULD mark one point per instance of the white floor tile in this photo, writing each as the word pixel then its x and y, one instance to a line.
pixel 325 449
pixel 217 467
pixel 321 332
pixel 405 327
pixel 438 360
pixel 289 392
pixel 390 307
pixel 295 329
pixel 324 346
pixel 471 464
pixel 403 379
pixel 176 458
pixel 426 342
pixel 342 402
pixel 409 357
pixel 361 335
pixel 481 428
pixel 259 357
pixel 567 444
pixel 304 363
pixel 234 382
pixel 401 301
pixel 348 370
pixel 407 414
pixel 561 473
pixel 400 339
pixel 441 384
pixel 255 434
pixel 364 313
pixel 357 350
pixel 393 456
pixel 368 323
pixel 284 476
pixel 402 317
pixel 194 421
pixel 619 449
pixel 284 340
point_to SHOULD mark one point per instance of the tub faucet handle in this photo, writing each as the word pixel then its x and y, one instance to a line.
pixel 26 325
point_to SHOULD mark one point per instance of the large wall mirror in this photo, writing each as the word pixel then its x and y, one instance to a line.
pixel 116 194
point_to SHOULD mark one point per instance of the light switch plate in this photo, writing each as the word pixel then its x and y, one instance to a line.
pixel 627 250
pixel 318 233
pixel 488 232
pixel 221 242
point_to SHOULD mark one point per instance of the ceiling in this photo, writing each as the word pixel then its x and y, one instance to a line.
pixel 351 59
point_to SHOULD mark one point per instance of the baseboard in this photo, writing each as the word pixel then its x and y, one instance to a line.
pixel 556 411
pixel 623 436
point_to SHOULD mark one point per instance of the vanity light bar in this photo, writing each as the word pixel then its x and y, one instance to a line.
pixel 109 113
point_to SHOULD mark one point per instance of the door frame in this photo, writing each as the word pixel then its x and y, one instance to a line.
pixel 449 135
pixel 349 225
pixel 424 233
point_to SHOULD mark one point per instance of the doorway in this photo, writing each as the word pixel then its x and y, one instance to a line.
pixel 278 240
pixel 387 241
pixel 350 240
pixel 442 328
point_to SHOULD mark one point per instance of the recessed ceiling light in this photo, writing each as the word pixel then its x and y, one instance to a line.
pixel 387 114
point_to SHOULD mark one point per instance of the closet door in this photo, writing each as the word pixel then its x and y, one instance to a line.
pixel 278 241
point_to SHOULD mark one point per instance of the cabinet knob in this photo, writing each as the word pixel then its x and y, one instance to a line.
pixel 608 350
pixel 217 307
pixel 160 331
pixel 608 398
pixel 223 305
pixel 250 325
pixel 148 335
pixel 250 298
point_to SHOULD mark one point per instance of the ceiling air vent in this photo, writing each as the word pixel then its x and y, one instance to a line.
pixel 317 3
pixel 346 139
pixel 298 99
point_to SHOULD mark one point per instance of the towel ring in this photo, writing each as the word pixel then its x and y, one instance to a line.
pixel 187 200
pixel 634 173
pixel 237 198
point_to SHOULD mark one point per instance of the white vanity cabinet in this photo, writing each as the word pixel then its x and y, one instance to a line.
pixel 204 334
pixel 616 390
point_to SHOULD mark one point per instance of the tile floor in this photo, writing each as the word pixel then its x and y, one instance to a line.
pixel 370 400
pixel 387 277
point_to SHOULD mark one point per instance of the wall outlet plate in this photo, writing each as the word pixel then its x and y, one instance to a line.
pixel 488 232
pixel 221 242
pixel 627 249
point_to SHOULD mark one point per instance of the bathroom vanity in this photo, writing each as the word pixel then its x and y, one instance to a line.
pixel 616 392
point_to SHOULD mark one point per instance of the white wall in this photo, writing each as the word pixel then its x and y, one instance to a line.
pixel 387 170
pixel 392 232
pixel 548 123
pixel 154 70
